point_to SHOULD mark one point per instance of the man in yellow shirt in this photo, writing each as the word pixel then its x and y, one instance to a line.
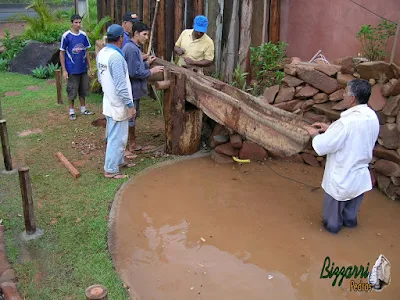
pixel 194 47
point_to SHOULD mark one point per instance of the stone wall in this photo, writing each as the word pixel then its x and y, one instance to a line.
pixel 315 91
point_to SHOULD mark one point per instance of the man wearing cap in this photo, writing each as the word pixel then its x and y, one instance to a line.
pixel 117 100
pixel 127 22
pixel 194 46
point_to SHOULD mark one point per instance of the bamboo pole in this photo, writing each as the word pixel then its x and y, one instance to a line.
pixel 5 145
pixel 27 200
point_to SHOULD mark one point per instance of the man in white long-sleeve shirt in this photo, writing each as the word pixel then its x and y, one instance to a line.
pixel 117 100
pixel 348 144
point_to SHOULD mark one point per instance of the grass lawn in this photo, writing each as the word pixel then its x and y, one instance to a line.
pixel 72 254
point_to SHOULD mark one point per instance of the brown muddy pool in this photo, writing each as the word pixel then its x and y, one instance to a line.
pixel 198 230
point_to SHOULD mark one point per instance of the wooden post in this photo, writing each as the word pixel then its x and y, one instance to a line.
pixel 153 27
pixel 123 9
pixel 1 111
pixel 96 292
pixel 178 12
pixel 275 21
pixel 59 86
pixel 161 29
pixel 112 10
pixel 245 36
pixel 134 6
pixel 5 145
pixel 396 36
pixel 183 121
pixel 197 7
pixel 27 200
pixel 169 31
pixel 146 11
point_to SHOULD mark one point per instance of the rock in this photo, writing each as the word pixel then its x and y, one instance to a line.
pixel 342 105
pixel 389 137
pixel 318 80
pixel 392 192
pixel 387 89
pixel 285 94
pixel 381 117
pixel 396 88
pixel 329 70
pixel 10 291
pixel 307 105
pixel 8 275
pixel 387 168
pixel 227 149
pixel 392 106
pixel 251 150
pixel 396 70
pixel 306 92
pixel 313 117
pixel 343 79
pixel 320 98
pixel 236 141
pixel 310 159
pixel 34 55
pixel 379 70
pixel 295 158
pixel 372 173
pixel 220 135
pixel 372 81
pixel 398 122
pixel 356 75
pixel 295 60
pixel 346 64
pixel 270 93
pixel 320 158
pixel 298 107
pixel 391 120
pixel 290 69
pixel 326 109
pixel 395 180
pixel 383 181
pixel 291 81
pixel 393 81
pixel 288 105
pixel 377 102
pixel 337 96
pixel 221 158
pixel 382 152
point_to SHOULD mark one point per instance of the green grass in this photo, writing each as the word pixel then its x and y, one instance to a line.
pixel 72 254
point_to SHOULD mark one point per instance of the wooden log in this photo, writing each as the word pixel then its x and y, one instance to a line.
pixel 178 12
pixel 27 200
pixel 245 36
pixel 153 27
pixel 162 85
pixel 96 292
pixel 140 9
pixel 169 31
pixel 161 29
pixel 134 6
pixel 183 121
pixel 112 10
pixel 197 7
pixel 146 11
pixel 123 9
pixel 275 21
pixel 59 86
pixel 68 165
pixel 1 111
pixel 5 146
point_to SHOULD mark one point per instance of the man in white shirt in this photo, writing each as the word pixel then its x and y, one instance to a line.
pixel 348 144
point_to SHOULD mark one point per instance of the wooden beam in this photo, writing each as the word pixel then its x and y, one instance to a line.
pixel 160 17
pixel 275 21
pixel 134 6
pixel 27 200
pixel 146 12
pixel 169 31
pixel 245 36
pixel 197 7
pixel 68 165
pixel 123 9
pixel 178 12
pixel 5 145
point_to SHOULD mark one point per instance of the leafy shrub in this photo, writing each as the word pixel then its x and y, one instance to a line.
pixel 239 78
pixel 3 64
pixel 13 46
pixel 374 39
pixel 41 72
pixel 51 68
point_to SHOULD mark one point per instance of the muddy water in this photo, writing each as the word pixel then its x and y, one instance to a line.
pixel 198 230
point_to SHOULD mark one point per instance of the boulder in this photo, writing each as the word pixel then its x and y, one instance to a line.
pixel 270 93
pixel 310 159
pixel 34 55
pixel 398 122
pixel 307 105
pixel 381 117
pixel 383 181
pixel 288 105
pixel 326 109
pixel 318 80
pixel 391 120
pixel 251 150
pixel 395 180
pixel 342 105
pixel 290 69
pixel 387 89
pixel 346 64
pixel 337 96
pixel 220 135
pixel 329 70
pixel 227 149
pixel 306 92
pixel 396 88
pixel 343 79
pixel 295 158
pixel 285 94
pixel 383 153
pixel 291 81
pixel 10 291
pixel 380 70
pixel 295 60
pixel 320 98
pixel 236 141
pixel 387 168
pixel 377 102
pixel 392 106
pixel 389 136
pixel 221 158
pixel 313 117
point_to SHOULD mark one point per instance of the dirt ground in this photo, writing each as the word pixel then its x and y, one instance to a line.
pixel 198 230
pixel 15 28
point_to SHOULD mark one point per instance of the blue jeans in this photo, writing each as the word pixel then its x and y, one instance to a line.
pixel 117 138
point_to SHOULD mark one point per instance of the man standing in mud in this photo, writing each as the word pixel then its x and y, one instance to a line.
pixel 348 144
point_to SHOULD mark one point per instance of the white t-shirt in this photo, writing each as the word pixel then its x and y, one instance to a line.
pixel 348 144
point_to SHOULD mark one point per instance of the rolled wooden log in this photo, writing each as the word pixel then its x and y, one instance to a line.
pixel 162 85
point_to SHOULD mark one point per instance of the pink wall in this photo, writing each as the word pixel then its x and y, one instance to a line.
pixel 331 25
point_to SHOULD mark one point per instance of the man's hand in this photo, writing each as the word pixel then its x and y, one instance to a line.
pixel 150 59
pixel 179 51
pixel 132 112
pixel 157 69
pixel 90 72
pixel 311 130
pixel 322 127
pixel 65 76
pixel 145 56
pixel 189 61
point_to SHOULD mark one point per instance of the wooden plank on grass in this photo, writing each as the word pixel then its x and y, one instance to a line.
pixel 68 165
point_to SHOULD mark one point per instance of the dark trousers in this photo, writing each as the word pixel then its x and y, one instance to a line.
pixel 336 214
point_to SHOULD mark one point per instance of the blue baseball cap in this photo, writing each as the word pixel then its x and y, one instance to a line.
pixel 200 24
pixel 115 31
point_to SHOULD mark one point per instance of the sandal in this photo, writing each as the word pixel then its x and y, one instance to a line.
pixel 127 165
pixel 115 175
